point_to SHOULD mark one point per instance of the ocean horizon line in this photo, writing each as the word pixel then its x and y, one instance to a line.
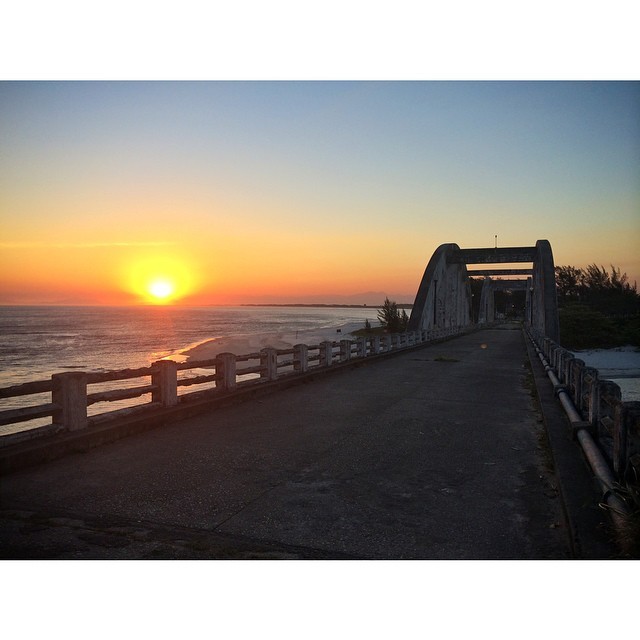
pixel 317 305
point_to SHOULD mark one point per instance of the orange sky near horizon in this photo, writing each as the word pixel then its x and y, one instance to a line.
pixel 303 192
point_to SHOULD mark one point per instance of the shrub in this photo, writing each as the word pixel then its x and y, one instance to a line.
pixel 584 328
pixel 391 318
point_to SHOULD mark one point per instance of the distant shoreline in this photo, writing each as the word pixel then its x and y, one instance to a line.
pixel 319 305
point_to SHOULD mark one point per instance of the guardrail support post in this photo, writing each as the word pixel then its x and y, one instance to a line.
pixel 577 374
pixel 166 380
pixel 226 369
pixel 326 354
pixel 630 424
pixel 300 358
pixel 345 350
pixel 269 362
pixel 593 407
pixel 362 347
pixel 375 345
pixel 70 394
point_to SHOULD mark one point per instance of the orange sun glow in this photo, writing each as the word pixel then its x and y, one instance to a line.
pixel 159 279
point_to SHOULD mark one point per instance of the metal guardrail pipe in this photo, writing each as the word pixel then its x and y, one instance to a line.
pixel 597 462
pixel 565 399
pixel 617 506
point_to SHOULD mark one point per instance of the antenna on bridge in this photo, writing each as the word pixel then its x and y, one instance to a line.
pixel 496 237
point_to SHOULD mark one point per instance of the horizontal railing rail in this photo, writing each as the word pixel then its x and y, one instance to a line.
pixel 164 383
pixel 28 388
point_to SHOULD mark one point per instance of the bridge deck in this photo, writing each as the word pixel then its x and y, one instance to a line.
pixel 433 453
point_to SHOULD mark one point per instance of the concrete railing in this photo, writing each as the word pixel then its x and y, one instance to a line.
pixel 163 383
pixel 595 406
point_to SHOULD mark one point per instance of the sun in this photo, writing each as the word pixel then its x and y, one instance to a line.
pixel 160 279
pixel 161 289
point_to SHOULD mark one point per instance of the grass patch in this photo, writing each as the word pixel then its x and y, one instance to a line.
pixel 628 535
pixel 373 331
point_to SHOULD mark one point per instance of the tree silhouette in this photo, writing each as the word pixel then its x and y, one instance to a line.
pixel 597 308
pixel 609 293
pixel 390 317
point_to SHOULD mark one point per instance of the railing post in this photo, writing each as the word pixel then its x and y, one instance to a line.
pixel 375 345
pixel 619 441
pixel 631 424
pixel 361 344
pixel 70 394
pixel 269 363
pixel 226 370
pixel 300 358
pixel 557 351
pixel 165 379
pixel 561 354
pixel 326 354
pixel 577 374
pixel 566 365
pixel 609 397
pixel 593 407
pixel 345 350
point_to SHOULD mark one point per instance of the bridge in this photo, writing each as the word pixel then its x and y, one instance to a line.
pixel 452 440
pixel 444 294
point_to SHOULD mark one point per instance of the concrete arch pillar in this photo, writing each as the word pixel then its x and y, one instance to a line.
pixel 544 300
pixel 444 295
pixel 487 311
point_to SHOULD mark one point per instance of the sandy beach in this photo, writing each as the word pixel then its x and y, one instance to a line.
pixel 251 343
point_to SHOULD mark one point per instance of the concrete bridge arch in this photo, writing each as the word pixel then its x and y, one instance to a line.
pixel 444 295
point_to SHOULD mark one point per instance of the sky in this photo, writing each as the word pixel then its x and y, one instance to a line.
pixel 217 192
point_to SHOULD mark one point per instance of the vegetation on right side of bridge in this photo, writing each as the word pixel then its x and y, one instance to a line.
pixel 597 309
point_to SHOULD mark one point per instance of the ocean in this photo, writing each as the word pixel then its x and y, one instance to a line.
pixel 36 342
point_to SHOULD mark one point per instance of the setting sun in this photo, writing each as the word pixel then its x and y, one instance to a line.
pixel 159 279
pixel 161 290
